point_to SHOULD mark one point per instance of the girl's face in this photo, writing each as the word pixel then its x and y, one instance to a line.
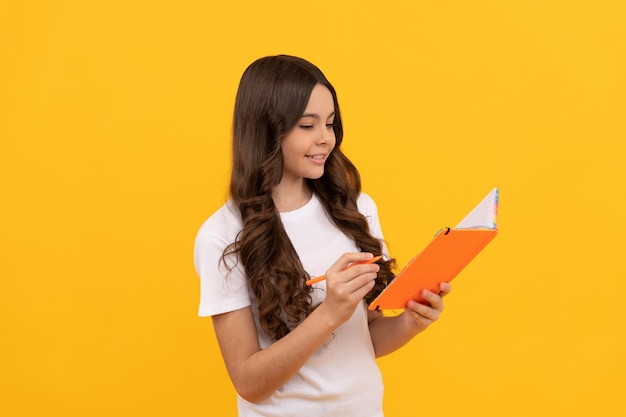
pixel 307 146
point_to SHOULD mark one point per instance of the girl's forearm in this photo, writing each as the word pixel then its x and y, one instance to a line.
pixel 391 333
pixel 266 370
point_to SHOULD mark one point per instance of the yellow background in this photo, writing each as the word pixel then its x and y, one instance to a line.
pixel 114 127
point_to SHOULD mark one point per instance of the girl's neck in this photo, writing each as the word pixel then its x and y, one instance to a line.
pixel 290 197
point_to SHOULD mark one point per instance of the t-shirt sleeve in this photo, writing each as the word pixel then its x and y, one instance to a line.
pixel 368 208
pixel 223 287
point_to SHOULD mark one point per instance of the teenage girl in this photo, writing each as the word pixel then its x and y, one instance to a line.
pixel 296 211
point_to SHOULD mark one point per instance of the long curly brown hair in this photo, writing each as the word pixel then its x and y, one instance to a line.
pixel 272 96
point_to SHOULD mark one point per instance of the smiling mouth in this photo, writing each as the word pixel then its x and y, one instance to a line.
pixel 316 157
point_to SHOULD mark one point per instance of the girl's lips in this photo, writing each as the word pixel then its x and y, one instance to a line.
pixel 318 159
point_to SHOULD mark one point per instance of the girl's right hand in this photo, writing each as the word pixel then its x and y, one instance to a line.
pixel 347 285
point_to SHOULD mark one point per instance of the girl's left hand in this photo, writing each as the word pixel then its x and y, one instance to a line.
pixel 421 316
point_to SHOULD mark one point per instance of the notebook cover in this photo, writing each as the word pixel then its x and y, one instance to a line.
pixel 441 261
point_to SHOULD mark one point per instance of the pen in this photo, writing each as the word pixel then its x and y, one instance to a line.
pixel 323 277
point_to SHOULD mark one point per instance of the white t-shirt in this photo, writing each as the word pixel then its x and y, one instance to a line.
pixel 342 377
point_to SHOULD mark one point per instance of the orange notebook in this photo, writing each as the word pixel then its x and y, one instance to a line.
pixel 444 257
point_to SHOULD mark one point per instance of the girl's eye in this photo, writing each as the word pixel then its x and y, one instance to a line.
pixel 306 126
pixel 330 125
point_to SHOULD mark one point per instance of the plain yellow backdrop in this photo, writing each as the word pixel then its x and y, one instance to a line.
pixel 114 147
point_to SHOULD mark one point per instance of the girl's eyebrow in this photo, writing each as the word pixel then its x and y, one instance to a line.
pixel 315 115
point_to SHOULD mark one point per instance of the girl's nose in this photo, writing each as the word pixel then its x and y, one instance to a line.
pixel 325 136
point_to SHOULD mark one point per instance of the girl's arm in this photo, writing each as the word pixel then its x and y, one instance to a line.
pixel 390 333
pixel 257 373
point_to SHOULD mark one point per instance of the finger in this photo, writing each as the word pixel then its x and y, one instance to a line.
pixel 444 289
pixel 364 277
pixel 359 269
pixel 349 258
pixel 421 313
pixel 435 300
